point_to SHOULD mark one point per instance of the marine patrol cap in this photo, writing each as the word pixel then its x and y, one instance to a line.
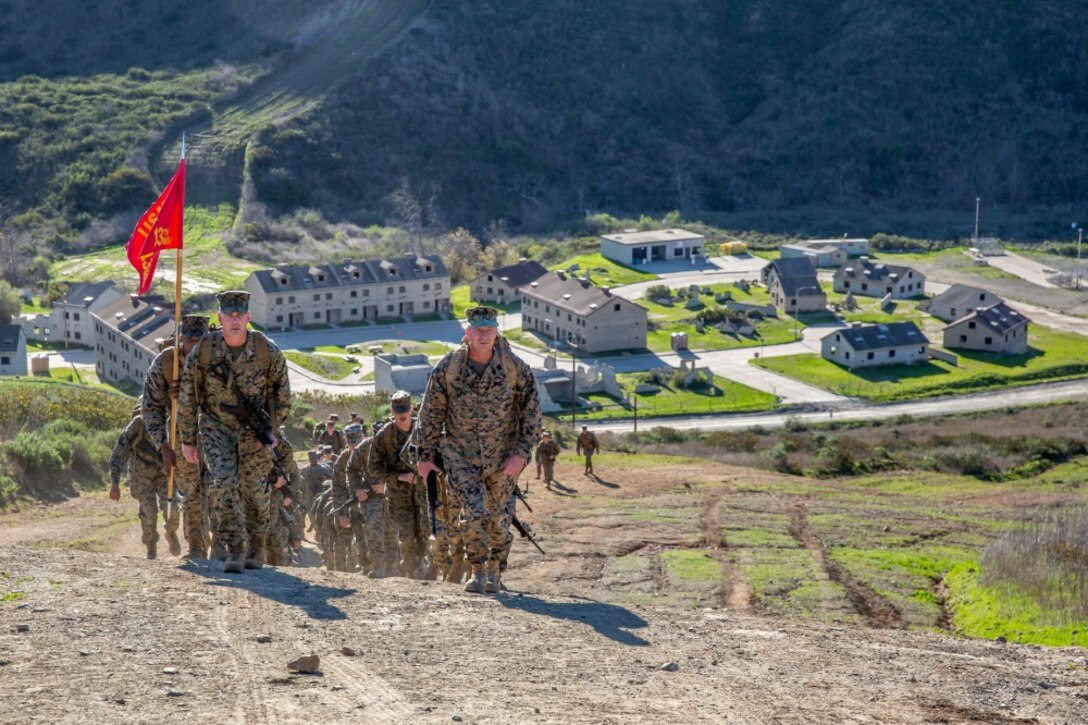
pixel 333 417
pixel 194 326
pixel 354 433
pixel 354 416
pixel 400 401
pixel 326 449
pixel 546 434
pixel 482 316
pixel 233 301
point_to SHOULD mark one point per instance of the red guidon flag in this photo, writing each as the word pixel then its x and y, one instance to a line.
pixel 159 228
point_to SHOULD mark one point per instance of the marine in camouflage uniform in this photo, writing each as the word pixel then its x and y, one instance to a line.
pixel 546 453
pixel 313 480
pixel 146 482
pixel 482 424
pixel 587 446
pixel 330 435
pixel 368 514
pixel 160 387
pixel 285 512
pixel 350 538
pixel 209 413
pixel 405 492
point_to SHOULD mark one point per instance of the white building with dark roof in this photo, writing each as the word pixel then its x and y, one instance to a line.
pixel 998 328
pixel 351 292
pixel 958 301
pixel 70 319
pixel 876 279
pixel 12 350
pixel 126 334
pixel 567 309
pixel 662 245
pixel 861 346
pixel 501 285
pixel 793 285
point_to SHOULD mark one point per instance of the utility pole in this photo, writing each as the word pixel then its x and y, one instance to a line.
pixel 634 407
pixel 1080 238
pixel 573 387
pixel 977 199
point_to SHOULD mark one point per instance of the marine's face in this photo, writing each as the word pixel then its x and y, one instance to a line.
pixel 233 323
pixel 403 421
pixel 483 337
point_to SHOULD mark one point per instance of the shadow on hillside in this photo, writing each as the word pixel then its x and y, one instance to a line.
pixel 610 620
pixel 277 585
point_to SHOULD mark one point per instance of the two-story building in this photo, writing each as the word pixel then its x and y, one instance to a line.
pixel 12 350
pixel 126 331
pixel 566 309
pixel 662 245
pixel 70 319
pixel 793 285
pixel 958 301
pixel 876 279
pixel 375 290
pixel 861 346
pixel 500 286
pixel 997 328
pixel 822 255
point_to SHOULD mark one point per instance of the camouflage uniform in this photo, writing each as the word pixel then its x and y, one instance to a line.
pixel 370 513
pixel 313 480
pixel 334 439
pixel 236 461
pixel 350 546
pixel 546 453
pixel 285 522
pixel 146 481
pixel 587 446
pixel 189 479
pixel 406 503
pixel 475 424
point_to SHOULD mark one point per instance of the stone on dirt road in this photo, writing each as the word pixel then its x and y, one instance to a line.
pixel 347 651
pixel 308 663
pixel 264 638
pixel 670 667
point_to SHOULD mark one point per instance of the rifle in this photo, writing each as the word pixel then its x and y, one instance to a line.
pixel 432 499
pixel 526 533
pixel 250 414
pixel 277 468
pixel 520 496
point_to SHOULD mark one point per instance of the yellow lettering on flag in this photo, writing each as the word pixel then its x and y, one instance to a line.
pixel 162 237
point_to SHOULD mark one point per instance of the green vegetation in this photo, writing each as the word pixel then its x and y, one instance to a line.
pixel 1052 356
pixel 459 302
pixel 720 396
pixel 330 367
pixel 688 564
pixel 603 272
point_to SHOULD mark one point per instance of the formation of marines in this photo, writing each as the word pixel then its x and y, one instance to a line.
pixel 428 496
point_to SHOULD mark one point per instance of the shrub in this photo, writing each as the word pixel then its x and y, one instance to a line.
pixel 38 456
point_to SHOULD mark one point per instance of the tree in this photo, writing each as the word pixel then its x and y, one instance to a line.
pixel 9 302
pixel 461 252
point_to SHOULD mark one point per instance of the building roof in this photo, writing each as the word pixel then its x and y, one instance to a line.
pixel 521 273
pixel 873 271
pixel 832 242
pixel 79 292
pixel 795 274
pixel 965 297
pixel 876 337
pixel 999 317
pixel 812 247
pixel 141 319
pixel 655 237
pixel 292 278
pixel 575 295
pixel 9 338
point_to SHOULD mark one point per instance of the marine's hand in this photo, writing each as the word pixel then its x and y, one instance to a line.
pixel 175 389
pixel 514 465
pixel 280 482
pixel 191 453
pixel 407 477
pixel 275 441
pixel 345 522
pixel 115 492
pixel 286 502
pixel 379 488
pixel 360 495
pixel 425 468
pixel 169 458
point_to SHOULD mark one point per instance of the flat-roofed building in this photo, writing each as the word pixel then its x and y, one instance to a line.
pixel 876 279
pixel 12 350
pixel 567 309
pixel 126 331
pixel 822 255
pixel 663 245
pixel 70 319
pixel 862 346
pixel 998 328
pixel 351 292
pixel 501 285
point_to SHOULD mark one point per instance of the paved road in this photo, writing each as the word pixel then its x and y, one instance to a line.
pixel 1022 267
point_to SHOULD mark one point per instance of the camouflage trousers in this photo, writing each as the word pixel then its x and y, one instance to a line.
pixel 447 544
pixel 147 484
pixel 375 556
pixel 548 464
pixel 406 515
pixel 237 497
pixel 485 509
pixel 589 460
pixel 351 542
pixel 284 530
pixel 190 483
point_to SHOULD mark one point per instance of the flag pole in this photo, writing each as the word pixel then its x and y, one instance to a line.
pixel 176 356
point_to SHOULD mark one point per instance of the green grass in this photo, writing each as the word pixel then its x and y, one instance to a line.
pixel 42 346
pixel 527 339
pixel 34 309
pixel 771 331
pixel 691 564
pixel 604 272
pixel 459 302
pixel 1053 356
pixel 326 366
pixel 725 396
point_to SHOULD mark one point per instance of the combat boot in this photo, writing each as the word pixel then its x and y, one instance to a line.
pixel 255 558
pixel 235 563
pixel 151 551
pixel 492 584
pixel 219 552
pixel 475 584
pixel 172 541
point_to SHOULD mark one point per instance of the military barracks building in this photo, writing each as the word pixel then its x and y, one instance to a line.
pixel 663 245
pixel 793 285
pixel 501 285
pixel 70 319
pixel 870 279
pixel 866 346
pixel 366 291
pixel 12 350
pixel 127 335
pixel 566 309
pixel 998 328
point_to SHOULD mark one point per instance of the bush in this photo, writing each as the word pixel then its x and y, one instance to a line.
pixel 38 456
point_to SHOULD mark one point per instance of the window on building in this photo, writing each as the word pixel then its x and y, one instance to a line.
pixel 75 316
pixel 427 268
pixel 871 356
pixel 366 293
pixel 489 291
pixel 291 300
pixel 389 290
pixel 989 341
pixel 389 308
pixel 678 252
pixel 891 353
pixel 426 286
pixel 922 349
pixel 279 300
pixel 354 311
pixel 66 315
pixel 328 295
pixel 79 336
pixel 5 360
pixel 490 278
pixel 426 304
pixel 401 289
pixel 971 325
pixel 317 315
pixel 355 293
pixel 279 318
pixel 437 285
pixel 616 307
pixel 963 338
pixel 317 297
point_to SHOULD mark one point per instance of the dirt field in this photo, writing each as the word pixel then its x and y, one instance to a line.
pixel 654 562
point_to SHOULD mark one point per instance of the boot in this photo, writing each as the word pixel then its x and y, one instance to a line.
pixel 492 584
pixel 151 551
pixel 457 570
pixel 255 557
pixel 195 553
pixel 476 582
pixel 219 552
pixel 175 545
pixel 235 563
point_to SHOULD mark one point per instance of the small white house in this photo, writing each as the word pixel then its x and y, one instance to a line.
pixel 662 245
pixel 12 350
pixel 861 346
